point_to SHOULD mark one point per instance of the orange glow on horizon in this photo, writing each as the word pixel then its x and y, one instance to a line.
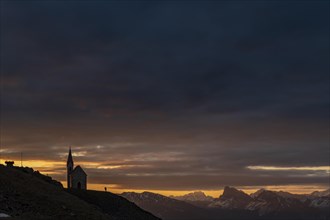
pixel 295 189
pixel 45 167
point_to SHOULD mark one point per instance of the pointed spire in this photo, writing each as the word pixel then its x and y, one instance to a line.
pixel 69 166
pixel 70 160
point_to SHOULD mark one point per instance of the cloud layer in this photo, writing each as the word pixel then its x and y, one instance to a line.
pixel 168 95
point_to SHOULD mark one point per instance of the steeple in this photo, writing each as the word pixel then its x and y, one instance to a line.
pixel 69 167
pixel 70 160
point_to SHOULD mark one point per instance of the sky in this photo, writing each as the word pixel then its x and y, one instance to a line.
pixel 169 96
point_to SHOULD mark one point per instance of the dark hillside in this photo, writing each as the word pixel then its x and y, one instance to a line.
pixel 114 205
pixel 26 194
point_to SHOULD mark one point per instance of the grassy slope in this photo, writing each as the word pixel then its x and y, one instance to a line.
pixel 113 205
pixel 27 196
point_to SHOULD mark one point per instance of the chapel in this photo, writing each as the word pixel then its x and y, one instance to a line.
pixel 76 176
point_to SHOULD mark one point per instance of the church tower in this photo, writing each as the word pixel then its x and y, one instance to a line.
pixel 69 167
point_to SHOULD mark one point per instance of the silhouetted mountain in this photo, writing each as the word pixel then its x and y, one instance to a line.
pixel 324 193
pixel 290 195
pixel 257 193
pixel 26 194
pixel 164 207
pixel 320 200
pixel 172 209
pixel 195 198
pixel 232 199
pixel 233 204
pixel 270 202
pixel 267 203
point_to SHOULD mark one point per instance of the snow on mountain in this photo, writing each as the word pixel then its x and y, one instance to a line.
pixel 232 199
pixel 320 199
pixel 257 193
pixel 262 204
pixel 145 196
pixel 269 202
pixel 194 196
pixel 322 203
pixel 320 193
pixel 280 193
pixel 165 207
pixel 265 201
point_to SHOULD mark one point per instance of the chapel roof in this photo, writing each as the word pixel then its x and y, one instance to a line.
pixel 78 169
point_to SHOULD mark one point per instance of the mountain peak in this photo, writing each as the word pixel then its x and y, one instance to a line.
pixel 194 196
pixel 325 193
pixel 268 195
pixel 232 198
pixel 231 192
pixel 257 193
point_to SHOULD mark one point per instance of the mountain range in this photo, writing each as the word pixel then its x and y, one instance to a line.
pixel 235 204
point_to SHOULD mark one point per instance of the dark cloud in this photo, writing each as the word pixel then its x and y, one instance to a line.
pixel 168 88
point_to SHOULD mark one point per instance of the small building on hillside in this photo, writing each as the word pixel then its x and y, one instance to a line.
pixel 9 163
pixel 76 177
